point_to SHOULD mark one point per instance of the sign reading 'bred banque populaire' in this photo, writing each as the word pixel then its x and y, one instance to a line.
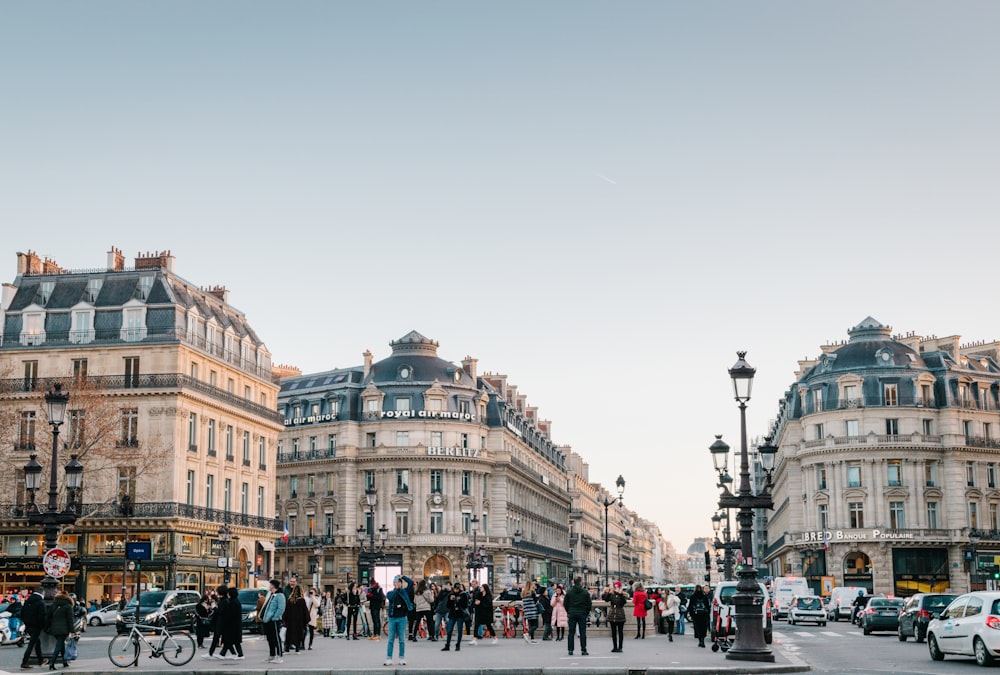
pixel 834 536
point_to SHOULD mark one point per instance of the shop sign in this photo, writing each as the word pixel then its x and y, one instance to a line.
pixel 828 536
pixel 56 563
pixel 453 452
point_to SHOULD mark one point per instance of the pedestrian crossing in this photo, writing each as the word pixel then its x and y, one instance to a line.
pixel 790 640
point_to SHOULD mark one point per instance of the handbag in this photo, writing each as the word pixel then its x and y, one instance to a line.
pixel 71 650
pixel 648 605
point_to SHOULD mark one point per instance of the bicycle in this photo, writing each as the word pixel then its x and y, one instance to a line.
pixel 176 649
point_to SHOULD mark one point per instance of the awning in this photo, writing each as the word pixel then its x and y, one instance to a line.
pixel 266 545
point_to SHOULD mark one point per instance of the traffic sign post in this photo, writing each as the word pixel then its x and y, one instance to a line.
pixel 56 563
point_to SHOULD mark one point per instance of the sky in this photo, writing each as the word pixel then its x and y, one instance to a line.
pixel 602 200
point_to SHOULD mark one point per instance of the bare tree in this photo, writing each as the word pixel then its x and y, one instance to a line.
pixel 96 429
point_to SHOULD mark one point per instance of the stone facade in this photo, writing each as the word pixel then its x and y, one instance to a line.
pixel 171 403
pixel 887 465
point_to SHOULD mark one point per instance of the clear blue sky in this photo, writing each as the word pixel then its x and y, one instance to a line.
pixel 602 200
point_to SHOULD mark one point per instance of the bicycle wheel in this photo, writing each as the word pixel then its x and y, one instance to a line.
pixel 123 650
pixel 178 648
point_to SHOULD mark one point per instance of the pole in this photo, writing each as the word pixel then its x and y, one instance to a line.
pixel 606 505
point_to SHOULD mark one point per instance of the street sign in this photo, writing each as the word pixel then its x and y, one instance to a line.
pixel 56 563
pixel 139 550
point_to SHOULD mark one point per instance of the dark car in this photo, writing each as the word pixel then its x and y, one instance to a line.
pixel 248 609
pixel 171 609
pixel 918 611
pixel 881 614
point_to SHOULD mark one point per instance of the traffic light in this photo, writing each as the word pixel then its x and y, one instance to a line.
pixel 708 560
pixel 708 578
pixel 996 572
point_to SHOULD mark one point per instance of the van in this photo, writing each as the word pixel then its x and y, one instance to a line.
pixel 841 599
pixel 723 608
pixel 783 589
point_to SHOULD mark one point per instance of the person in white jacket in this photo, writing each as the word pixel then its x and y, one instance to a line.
pixel 670 609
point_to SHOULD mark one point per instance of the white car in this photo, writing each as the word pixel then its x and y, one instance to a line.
pixel 806 608
pixel 724 611
pixel 969 626
pixel 105 616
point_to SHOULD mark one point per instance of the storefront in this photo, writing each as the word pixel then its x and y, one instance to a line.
pixel 920 570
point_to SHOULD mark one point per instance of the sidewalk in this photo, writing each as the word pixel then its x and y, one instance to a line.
pixel 511 656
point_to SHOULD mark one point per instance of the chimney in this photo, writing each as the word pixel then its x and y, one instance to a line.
pixel 219 292
pixel 29 263
pixel 368 364
pixel 469 366
pixel 116 260
pixel 157 260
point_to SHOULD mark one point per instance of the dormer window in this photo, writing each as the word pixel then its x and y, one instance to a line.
pixel 45 291
pixel 405 372
pixel 82 325
pixel 890 394
pixel 402 404
pixel 33 328
pixel 94 289
pixel 133 323
pixel 144 287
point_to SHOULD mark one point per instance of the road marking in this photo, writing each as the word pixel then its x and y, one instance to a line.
pixel 832 633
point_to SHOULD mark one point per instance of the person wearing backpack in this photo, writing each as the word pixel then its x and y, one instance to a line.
pixel 699 609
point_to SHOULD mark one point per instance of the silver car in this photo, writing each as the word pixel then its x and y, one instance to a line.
pixel 806 608
pixel 969 626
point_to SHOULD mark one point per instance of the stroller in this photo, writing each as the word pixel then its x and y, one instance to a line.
pixel 722 636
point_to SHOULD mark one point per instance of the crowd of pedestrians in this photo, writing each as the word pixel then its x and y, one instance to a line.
pixel 289 617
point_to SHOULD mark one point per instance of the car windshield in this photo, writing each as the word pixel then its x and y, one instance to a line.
pixel 808 603
pixel 151 599
pixel 248 596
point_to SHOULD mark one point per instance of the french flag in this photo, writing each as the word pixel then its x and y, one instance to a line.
pixel 284 535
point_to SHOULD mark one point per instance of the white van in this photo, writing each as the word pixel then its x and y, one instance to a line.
pixel 841 602
pixel 723 609
pixel 783 589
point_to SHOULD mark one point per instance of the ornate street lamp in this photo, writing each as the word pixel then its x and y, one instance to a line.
pixel 52 519
pixel 749 644
pixel 317 579
pixel 620 483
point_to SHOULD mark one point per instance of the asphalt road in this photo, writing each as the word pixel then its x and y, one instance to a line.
pixel 842 648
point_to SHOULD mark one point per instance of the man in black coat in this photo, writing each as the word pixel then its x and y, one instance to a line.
pixel 33 616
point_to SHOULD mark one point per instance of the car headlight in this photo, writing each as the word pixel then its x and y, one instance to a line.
pixel 251 615
pixel 150 617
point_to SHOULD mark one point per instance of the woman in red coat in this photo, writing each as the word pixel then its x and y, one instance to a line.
pixel 639 598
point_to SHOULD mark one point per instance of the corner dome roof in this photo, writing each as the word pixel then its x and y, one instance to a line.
pixel 866 347
pixel 418 354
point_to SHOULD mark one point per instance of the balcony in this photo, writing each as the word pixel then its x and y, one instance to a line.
pixel 873 439
pixel 152 381
pixel 309 455
pixel 113 336
pixel 980 442
pixel 165 510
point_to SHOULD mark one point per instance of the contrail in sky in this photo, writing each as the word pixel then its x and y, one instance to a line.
pixel 600 175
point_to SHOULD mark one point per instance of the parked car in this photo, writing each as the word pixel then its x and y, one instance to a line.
pixel 105 616
pixel 723 608
pixel 917 612
pixel 804 608
pixel 839 606
pixel 172 609
pixel 969 626
pixel 881 614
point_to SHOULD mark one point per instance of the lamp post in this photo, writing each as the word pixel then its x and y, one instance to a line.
pixel 52 519
pixel 726 544
pixel 225 536
pixel 620 483
pixel 372 554
pixel 477 556
pixel 974 565
pixel 517 556
pixel 125 509
pixel 317 578
pixel 749 644
pixel 624 543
